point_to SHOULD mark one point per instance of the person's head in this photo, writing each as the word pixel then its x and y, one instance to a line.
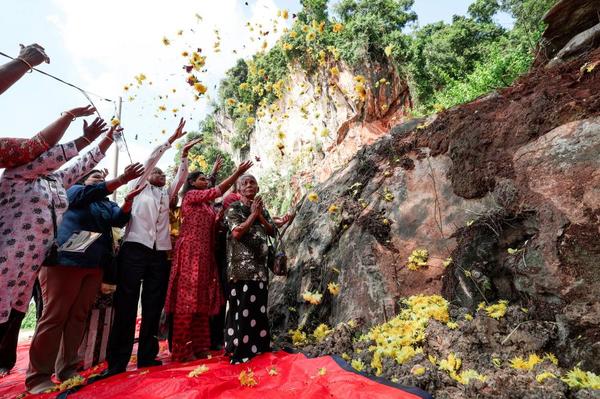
pixel 157 178
pixel 196 181
pixel 93 177
pixel 247 186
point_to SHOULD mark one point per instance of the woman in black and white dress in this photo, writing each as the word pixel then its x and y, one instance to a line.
pixel 246 321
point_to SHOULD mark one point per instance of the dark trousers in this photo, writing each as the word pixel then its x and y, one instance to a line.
pixel 137 263
pixel 37 298
pixel 217 327
pixel 9 331
pixel 9 337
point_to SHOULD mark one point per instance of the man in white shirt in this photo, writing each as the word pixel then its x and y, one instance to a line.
pixel 143 257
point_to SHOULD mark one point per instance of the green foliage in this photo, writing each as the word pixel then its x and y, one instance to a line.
pixel 444 53
pixel 313 10
pixel 249 85
pixel 229 86
pixel 455 63
pixel 504 63
pixel 29 321
pixel 203 156
pixel 483 11
pixel 276 191
pixel 528 17
pixel 367 28
pixel 372 25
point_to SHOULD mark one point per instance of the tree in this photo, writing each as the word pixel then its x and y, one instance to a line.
pixel 372 25
pixel 313 10
pixel 229 86
pixel 483 11
pixel 528 16
pixel 442 53
pixel 203 156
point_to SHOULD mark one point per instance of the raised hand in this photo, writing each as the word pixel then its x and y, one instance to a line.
pixel 257 206
pixel 217 166
pixel 179 133
pixel 131 172
pixel 82 111
pixel 112 131
pixel 134 193
pixel 34 54
pixel 104 173
pixel 91 132
pixel 243 167
pixel 188 146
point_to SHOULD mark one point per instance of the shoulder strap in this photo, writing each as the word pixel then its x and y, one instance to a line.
pixel 52 209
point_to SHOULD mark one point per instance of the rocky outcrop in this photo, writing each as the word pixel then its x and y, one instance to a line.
pixel 505 186
pixel 585 40
pixel 321 121
pixel 567 19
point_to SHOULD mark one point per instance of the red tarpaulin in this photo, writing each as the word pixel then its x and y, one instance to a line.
pixel 297 377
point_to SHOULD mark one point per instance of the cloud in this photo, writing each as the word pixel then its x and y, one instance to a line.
pixel 111 41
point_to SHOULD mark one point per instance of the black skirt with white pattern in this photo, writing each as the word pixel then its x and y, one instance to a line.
pixel 246 321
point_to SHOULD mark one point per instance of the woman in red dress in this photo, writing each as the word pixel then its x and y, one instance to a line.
pixel 194 292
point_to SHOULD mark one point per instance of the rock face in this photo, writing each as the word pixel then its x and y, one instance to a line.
pixel 508 186
pixel 587 39
pixel 320 122
pixel 565 20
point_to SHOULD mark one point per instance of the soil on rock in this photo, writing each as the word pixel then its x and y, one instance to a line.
pixel 481 137
pixel 483 344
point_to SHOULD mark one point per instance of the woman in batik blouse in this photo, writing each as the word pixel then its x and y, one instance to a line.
pixel 246 321
pixel 33 199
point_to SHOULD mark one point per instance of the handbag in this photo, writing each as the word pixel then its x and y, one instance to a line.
pixel 276 257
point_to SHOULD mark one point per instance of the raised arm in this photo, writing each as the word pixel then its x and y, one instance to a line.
pixel 240 226
pixel 46 163
pixel 21 151
pixel 71 174
pixel 131 172
pixel 158 152
pixel 241 169
pixel 182 171
pixel 212 178
pixel 28 57
pixel 199 196
pixel 81 196
pixel 52 133
pixel 128 203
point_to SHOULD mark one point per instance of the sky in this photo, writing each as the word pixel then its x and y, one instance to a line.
pixel 101 46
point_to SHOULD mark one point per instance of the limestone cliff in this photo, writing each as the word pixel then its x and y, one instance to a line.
pixel 321 121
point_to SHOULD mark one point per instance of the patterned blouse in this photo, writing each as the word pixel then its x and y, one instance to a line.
pixel 246 257
pixel 15 152
pixel 27 194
